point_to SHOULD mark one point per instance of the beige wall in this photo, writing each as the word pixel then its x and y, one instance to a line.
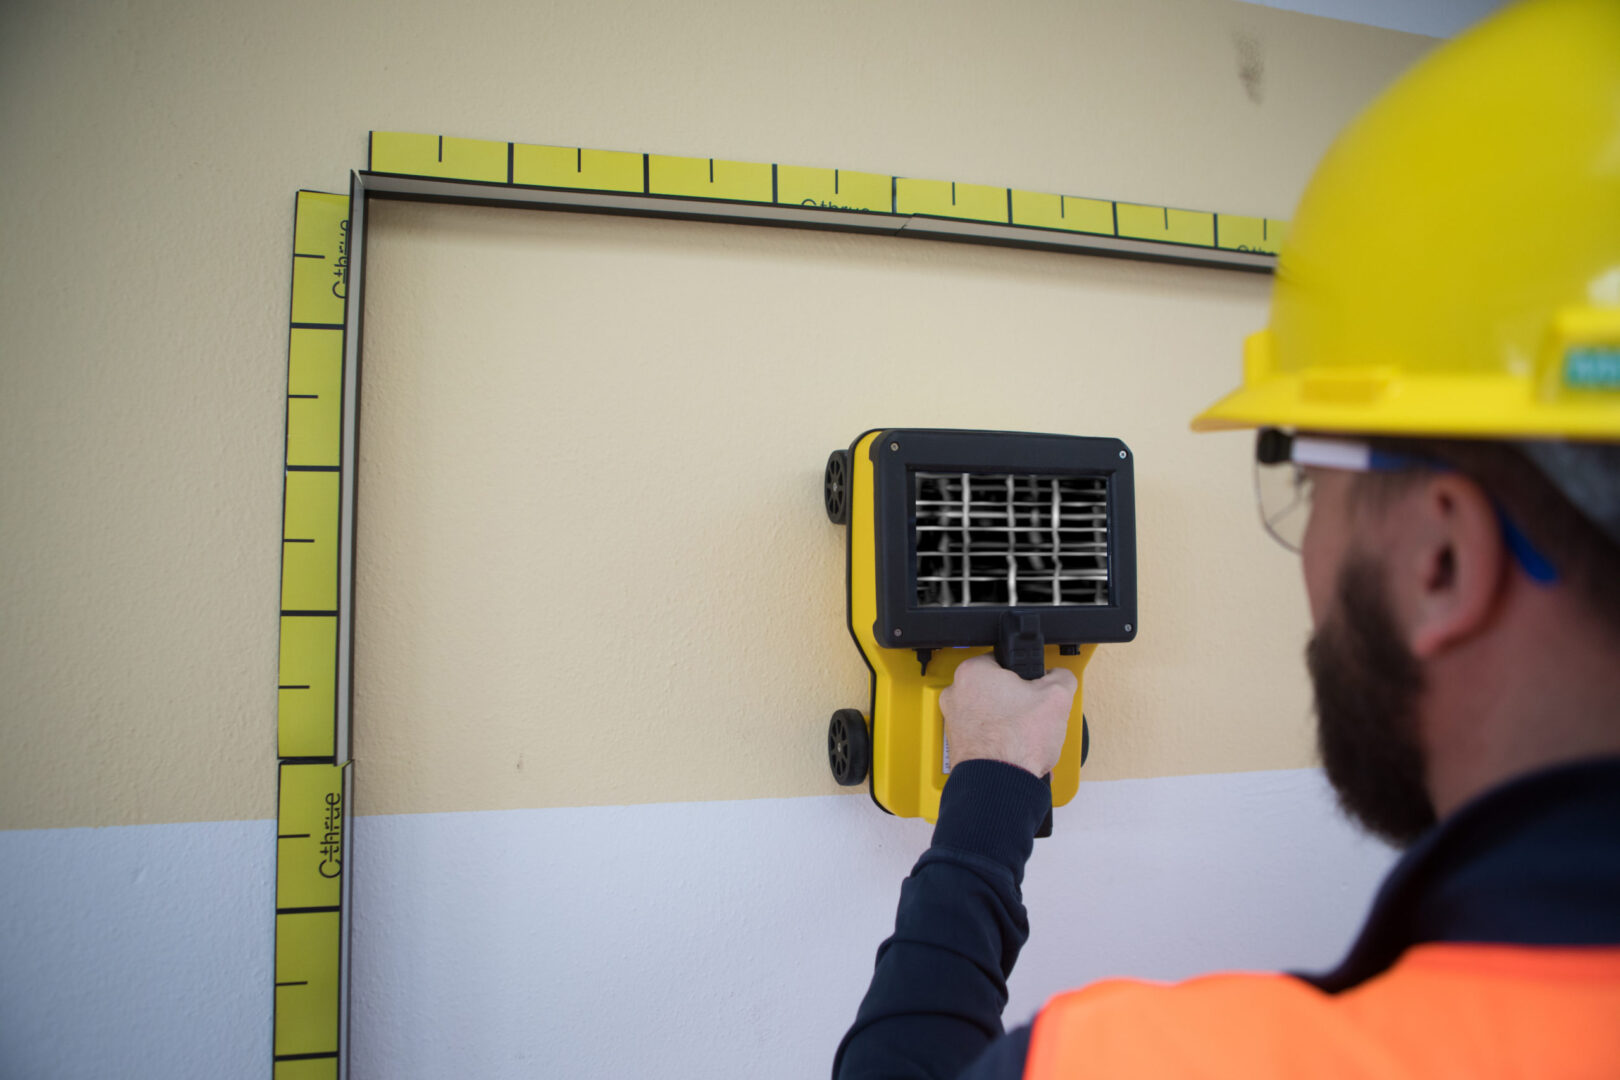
pixel 151 154
pixel 596 565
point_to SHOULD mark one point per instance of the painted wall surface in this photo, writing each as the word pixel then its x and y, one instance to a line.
pixel 1438 18
pixel 674 389
pixel 734 938
pixel 598 569
pixel 153 150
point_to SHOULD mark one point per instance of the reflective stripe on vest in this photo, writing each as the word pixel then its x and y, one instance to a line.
pixel 1442 1012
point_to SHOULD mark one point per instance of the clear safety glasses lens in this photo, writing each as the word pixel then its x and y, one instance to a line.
pixel 1284 494
pixel 1283 489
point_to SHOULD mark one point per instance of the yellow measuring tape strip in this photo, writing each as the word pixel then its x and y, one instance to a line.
pixel 447 158
pixel 315 773
pixel 313 798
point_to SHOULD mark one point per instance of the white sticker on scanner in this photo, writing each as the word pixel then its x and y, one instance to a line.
pixel 945 766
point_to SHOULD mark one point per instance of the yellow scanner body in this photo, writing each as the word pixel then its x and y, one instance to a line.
pixel 909 754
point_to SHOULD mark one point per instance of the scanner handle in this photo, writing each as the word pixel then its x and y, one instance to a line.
pixel 1021 648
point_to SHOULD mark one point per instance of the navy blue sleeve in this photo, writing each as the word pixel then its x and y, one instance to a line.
pixel 934 1006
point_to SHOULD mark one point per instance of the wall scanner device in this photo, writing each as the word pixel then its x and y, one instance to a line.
pixel 966 542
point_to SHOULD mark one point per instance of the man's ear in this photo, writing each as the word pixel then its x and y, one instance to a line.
pixel 1453 562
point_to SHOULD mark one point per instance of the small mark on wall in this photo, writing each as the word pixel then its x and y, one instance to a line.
pixel 1251 66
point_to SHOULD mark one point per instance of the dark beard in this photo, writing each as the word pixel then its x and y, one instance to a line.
pixel 1367 685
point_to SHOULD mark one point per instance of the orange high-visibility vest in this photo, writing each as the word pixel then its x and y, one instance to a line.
pixel 1441 1012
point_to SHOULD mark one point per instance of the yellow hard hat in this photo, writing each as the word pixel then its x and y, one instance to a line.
pixel 1454 266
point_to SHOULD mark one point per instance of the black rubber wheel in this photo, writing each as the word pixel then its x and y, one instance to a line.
pixel 849 747
pixel 835 487
pixel 1085 738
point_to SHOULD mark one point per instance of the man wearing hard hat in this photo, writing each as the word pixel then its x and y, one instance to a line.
pixel 1438 404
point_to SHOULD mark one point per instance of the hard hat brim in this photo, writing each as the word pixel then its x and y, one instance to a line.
pixel 1384 402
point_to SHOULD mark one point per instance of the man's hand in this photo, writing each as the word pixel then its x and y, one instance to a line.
pixel 992 713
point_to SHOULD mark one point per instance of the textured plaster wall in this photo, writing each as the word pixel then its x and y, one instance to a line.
pixel 758 973
pixel 598 569
pixel 151 153
pixel 735 938
pixel 1438 18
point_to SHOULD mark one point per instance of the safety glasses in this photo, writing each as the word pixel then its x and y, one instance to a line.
pixel 1283 488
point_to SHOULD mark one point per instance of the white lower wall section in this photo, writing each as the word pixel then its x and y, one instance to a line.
pixel 681 940
pixel 1437 18
pixel 137 951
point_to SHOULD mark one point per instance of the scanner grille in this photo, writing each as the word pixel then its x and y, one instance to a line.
pixel 1006 540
